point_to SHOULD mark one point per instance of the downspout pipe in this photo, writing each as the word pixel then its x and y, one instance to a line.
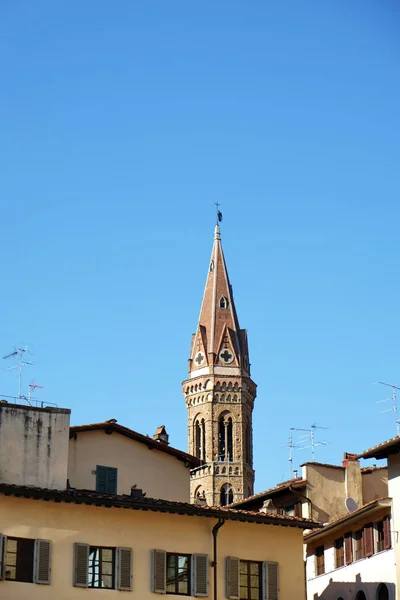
pixel 215 530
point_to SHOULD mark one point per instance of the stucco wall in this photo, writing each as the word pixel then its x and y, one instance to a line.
pixel 156 473
pixel 394 493
pixel 326 490
pixel 143 531
pixel 375 485
pixel 34 445
pixel 345 582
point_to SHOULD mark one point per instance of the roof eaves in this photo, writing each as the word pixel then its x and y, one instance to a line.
pixel 286 485
pixel 381 450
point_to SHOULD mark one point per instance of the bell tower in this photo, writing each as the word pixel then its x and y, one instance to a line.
pixel 220 394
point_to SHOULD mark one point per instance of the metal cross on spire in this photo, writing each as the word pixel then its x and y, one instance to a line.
pixel 219 213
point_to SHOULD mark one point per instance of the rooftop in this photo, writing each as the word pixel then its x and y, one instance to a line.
pixel 383 449
pixel 112 426
pixel 89 497
pixel 297 483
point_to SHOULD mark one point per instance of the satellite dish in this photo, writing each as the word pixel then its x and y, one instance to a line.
pixel 350 504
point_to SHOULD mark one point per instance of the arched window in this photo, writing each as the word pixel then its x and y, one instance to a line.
pixel 360 595
pixel 225 438
pixel 200 438
pixel 226 495
pixel 382 593
pixel 247 444
pixel 223 303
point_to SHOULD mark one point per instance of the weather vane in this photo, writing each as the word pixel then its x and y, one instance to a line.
pixel 219 213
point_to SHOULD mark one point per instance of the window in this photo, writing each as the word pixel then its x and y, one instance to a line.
pixel 223 303
pixel 26 560
pixel 178 574
pixel 320 560
pixel 200 439
pixel 225 438
pixel 383 537
pixel 293 510
pixel 339 553
pixel 226 495
pixel 380 544
pixel 348 547
pixel 19 559
pixel 101 567
pixel 358 546
pixel 250 580
pixel 106 479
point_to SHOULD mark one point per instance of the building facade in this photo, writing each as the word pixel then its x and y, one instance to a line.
pixel 220 394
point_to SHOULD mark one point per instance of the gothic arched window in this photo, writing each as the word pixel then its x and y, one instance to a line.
pixel 226 495
pixel 225 438
pixel 223 303
pixel 200 438
pixel 247 444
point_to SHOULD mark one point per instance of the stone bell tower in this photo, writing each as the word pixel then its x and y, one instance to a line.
pixel 220 394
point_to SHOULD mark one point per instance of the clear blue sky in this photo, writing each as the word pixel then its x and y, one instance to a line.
pixel 121 124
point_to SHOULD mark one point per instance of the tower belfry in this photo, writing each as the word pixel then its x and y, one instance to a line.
pixel 220 394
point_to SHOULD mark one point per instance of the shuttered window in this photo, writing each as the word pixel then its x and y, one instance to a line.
pixel 3 543
pixel 232 578
pixel 102 567
pixel 42 562
pixel 348 548
pixel 200 575
pixel 19 559
pixel 106 479
pixel 159 571
pixel 386 533
pixel 124 570
pixel 178 574
pixel 358 545
pixel 271 580
pixel 339 553
pixel 320 560
pixel 368 540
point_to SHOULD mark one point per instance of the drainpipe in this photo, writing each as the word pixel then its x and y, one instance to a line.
pixel 215 529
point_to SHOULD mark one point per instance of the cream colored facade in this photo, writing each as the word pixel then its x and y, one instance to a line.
pixel 157 473
pixel 143 531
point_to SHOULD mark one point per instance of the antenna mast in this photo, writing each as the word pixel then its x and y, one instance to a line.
pixel 32 387
pixel 393 398
pixel 303 442
pixel 18 353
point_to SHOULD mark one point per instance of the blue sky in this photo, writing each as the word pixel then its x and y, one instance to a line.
pixel 122 124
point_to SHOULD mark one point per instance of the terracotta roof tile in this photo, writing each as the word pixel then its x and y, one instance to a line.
pixel 297 482
pixel 381 450
pixel 91 497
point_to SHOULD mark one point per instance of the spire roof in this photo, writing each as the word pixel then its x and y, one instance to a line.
pixel 218 339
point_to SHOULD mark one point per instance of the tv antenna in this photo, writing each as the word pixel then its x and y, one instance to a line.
pixel 18 354
pixel 303 442
pixel 393 398
pixel 32 387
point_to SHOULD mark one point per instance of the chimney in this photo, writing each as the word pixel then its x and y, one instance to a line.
pixel 353 478
pixel 161 435
pixel 295 473
pixel 137 493
pixel 268 507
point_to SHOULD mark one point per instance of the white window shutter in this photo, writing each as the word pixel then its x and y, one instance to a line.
pixel 232 577
pixel 81 564
pixel 159 571
pixel 271 580
pixel 200 575
pixel 3 547
pixel 124 569
pixel 42 562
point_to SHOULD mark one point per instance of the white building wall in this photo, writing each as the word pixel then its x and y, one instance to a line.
pixel 34 445
pixel 345 582
pixel 394 493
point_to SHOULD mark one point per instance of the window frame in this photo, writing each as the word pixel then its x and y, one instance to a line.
pixel 101 574
pixel 249 575
pixel 319 560
pixel 360 548
pixel 177 556
pixel 18 567
pixel 107 471
pixel 339 557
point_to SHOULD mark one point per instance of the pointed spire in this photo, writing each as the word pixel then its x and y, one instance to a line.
pixel 218 339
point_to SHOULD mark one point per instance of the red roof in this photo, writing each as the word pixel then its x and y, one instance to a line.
pixel 112 426
pixel 90 497
pixel 297 482
pixel 383 449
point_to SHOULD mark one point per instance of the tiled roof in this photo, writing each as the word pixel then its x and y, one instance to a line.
pixel 372 469
pixel 381 450
pixel 297 482
pixel 112 425
pixel 346 517
pixel 90 497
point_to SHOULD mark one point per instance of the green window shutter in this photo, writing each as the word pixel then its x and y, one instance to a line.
pixel 81 565
pixel 159 571
pixel 124 569
pixel 106 479
pixel 232 577
pixel 3 546
pixel 42 562
pixel 271 580
pixel 200 575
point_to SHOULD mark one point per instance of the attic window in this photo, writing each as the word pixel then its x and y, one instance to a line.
pixel 211 266
pixel 223 303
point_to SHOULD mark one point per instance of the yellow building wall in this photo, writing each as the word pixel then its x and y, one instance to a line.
pixel 158 474
pixel 326 490
pixel 375 485
pixel 143 531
